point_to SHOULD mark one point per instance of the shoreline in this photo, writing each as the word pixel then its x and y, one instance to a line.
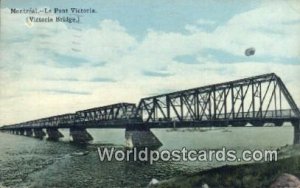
pixel 244 175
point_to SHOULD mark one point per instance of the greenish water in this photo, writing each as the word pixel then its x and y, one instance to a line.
pixel 30 162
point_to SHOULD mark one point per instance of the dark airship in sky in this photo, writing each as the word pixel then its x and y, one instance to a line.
pixel 250 51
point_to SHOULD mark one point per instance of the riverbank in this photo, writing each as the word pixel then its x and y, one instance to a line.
pixel 246 175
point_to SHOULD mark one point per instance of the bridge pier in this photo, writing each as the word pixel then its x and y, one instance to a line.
pixel 28 132
pixel 257 123
pixel 53 133
pixel 39 133
pixel 140 136
pixel 296 126
pixel 80 135
pixel 21 132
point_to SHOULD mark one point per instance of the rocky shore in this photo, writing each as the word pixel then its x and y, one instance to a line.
pixel 282 173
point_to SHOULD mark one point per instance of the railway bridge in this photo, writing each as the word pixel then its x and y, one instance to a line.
pixel 253 101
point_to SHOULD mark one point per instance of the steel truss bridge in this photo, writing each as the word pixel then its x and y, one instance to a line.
pixel 255 100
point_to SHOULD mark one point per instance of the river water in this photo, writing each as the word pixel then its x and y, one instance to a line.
pixel 30 162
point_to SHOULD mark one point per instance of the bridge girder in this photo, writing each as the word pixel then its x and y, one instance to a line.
pixel 119 113
pixel 106 113
pixel 255 97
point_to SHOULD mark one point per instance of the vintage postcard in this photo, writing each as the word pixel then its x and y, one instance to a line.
pixel 150 93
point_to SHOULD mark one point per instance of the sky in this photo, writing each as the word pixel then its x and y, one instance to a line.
pixel 131 49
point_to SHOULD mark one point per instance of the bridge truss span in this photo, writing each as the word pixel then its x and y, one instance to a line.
pixel 252 99
pixel 113 115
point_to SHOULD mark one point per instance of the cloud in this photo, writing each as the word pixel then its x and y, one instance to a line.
pixel 62 79
pixel 58 91
pixel 156 74
pixel 187 59
pixel 101 79
pixel 205 22
pixel 264 28
pixel 67 60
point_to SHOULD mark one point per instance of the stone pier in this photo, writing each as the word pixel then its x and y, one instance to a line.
pixel 80 135
pixel 296 132
pixel 141 136
pixel 53 133
pixel 28 132
pixel 39 133
pixel 21 132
